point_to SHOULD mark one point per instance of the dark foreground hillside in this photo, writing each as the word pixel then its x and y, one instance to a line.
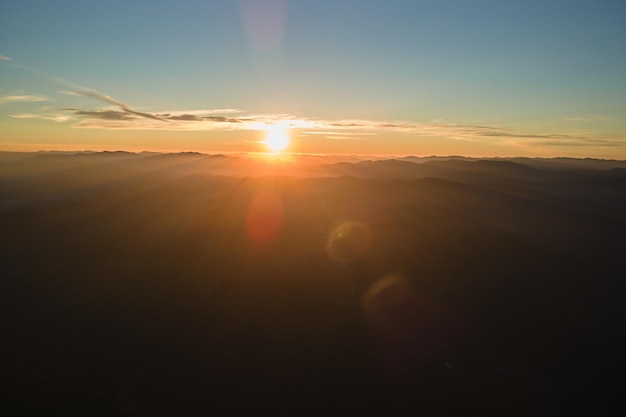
pixel 141 285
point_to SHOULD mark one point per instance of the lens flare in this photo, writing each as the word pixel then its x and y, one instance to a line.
pixel 348 241
pixel 264 217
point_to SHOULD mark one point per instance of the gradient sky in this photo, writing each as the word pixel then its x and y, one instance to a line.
pixel 477 78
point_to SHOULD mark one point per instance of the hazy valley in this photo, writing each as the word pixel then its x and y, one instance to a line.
pixel 161 284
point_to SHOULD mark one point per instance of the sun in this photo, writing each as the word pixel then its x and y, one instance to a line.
pixel 276 139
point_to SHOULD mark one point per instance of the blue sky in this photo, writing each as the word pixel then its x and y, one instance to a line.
pixel 397 77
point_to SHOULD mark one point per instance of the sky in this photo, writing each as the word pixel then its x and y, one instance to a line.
pixel 449 77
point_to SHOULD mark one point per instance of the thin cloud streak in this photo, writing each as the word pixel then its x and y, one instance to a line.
pixel 85 92
pixel 5 58
pixel 127 118
pixel 342 137
pixel 200 112
pixel 106 115
pixel 58 118
pixel 23 98
pixel 617 142
pixel 338 130
pixel 332 133
pixel 194 118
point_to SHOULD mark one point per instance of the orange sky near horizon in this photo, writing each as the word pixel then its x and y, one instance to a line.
pixel 40 135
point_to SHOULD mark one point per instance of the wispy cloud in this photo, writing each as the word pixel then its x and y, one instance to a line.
pixel 343 137
pixel 106 115
pixel 85 92
pixel 332 129
pixel 579 141
pixel 337 135
pixel 119 115
pixel 332 133
pixel 5 58
pixel 195 118
pixel 203 112
pixel 477 133
pixel 59 118
pixel 211 119
pixel 16 98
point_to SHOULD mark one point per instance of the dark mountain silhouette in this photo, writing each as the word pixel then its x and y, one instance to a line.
pixel 160 284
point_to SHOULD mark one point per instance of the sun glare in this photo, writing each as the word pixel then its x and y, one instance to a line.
pixel 276 139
